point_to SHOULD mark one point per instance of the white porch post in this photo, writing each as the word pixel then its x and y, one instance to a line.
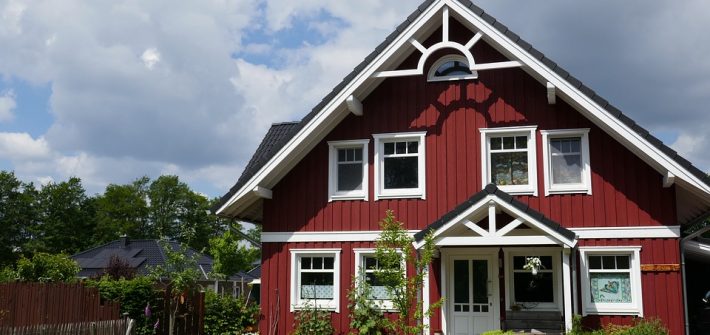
pixel 425 300
pixel 567 287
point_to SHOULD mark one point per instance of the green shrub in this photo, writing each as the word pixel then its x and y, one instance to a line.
pixel 313 321
pixel 43 267
pixel 138 298
pixel 640 327
pixel 365 317
pixel 497 332
pixel 225 314
pixel 7 274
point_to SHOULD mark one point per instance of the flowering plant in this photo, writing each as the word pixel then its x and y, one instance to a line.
pixel 533 264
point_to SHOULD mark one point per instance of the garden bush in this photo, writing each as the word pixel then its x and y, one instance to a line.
pixel 313 321
pixel 225 314
pixel 138 298
pixel 640 327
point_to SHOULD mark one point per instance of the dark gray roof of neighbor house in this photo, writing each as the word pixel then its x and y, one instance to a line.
pixel 140 254
pixel 493 189
pixel 280 134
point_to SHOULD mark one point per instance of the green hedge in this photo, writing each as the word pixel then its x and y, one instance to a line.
pixel 225 314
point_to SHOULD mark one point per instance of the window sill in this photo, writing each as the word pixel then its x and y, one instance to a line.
pixel 569 190
pixel 362 197
pixel 632 312
pixel 413 195
pixel 322 307
pixel 515 190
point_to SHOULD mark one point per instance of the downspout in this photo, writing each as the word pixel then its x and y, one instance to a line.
pixel 683 272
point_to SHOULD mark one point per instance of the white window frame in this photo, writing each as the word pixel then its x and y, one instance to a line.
pixel 529 131
pixel 333 193
pixel 586 185
pixel 360 253
pixel 380 140
pixel 636 305
pixel 449 58
pixel 555 253
pixel 326 304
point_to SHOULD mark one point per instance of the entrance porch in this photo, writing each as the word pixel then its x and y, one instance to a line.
pixel 488 248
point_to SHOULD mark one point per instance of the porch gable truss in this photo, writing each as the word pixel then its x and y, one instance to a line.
pixel 461 227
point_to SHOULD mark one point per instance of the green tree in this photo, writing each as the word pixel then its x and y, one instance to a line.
pixel 179 213
pixel 122 210
pixel 181 275
pixel 394 244
pixel 231 254
pixel 18 213
pixel 66 218
pixel 43 267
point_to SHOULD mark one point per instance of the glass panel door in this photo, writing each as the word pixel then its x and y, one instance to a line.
pixel 472 308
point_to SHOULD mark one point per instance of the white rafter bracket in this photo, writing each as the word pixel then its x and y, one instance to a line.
pixel 668 180
pixel 263 192
pixel 551 93
pixel 354 105
pixel 417 45
pixel 473 41
pixel 496 65
pixel 445 24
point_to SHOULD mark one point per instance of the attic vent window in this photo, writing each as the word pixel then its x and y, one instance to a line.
pixel 451 67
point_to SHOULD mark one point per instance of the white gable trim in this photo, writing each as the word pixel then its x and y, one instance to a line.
pixel 278 165
pixel 493 237
pixel 321 118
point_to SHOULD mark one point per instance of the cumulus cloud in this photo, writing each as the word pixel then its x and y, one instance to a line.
pixel 150 57
pixel 22 147
pixel 7 105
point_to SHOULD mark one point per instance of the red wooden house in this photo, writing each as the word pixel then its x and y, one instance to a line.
pixel 466 131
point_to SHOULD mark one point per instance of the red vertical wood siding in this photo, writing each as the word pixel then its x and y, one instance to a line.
pixel 625 190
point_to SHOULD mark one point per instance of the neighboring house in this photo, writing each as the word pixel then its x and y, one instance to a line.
pixel 142 255
pixel 468 132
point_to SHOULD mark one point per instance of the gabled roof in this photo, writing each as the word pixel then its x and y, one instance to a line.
pixel 580 96
pixel 140 254
pixel 493 193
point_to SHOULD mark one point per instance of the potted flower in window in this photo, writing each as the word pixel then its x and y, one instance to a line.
pixel 533 264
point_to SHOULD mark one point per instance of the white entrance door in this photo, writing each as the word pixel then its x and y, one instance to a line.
pixel 471 300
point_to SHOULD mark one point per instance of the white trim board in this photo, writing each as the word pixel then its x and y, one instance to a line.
pixel 373 235
pixel 628 232
pixel 323 236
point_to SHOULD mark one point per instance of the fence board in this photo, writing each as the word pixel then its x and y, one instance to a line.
pixel 108 327
pixel 28 304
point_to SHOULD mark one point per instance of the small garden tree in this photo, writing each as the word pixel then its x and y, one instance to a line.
pixel 392 246
pixel 180 274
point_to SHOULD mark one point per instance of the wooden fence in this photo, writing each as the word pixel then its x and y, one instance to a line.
pixel 190 314
pixel 29 304
pixel 110 327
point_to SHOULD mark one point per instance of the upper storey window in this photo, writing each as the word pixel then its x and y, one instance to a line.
pixel 566 161
pixel 348 170
pixel 399 165
pixel 509 159
pixel 451 67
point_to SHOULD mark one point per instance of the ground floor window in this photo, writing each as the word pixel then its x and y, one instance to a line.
pixel 611 280
pixel 535 290
pixel 366 265
pixel 315 278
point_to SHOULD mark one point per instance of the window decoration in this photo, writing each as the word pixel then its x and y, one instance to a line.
pixel 566 161
pixel 451 67
pixel 509 159
pixel 315 278
pixel 399 165
pixel 348 170
pixel 611 280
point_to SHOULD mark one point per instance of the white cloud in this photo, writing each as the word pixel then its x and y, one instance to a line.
pixel 7 105
pixel 22 147
pixel 150 57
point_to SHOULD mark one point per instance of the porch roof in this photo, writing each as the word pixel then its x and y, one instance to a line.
pixel 493 193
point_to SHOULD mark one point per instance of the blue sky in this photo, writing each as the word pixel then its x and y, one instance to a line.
pixel 133 88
